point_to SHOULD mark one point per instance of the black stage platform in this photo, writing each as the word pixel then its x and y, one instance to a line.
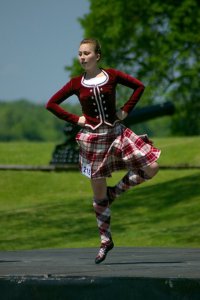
pixel 127 273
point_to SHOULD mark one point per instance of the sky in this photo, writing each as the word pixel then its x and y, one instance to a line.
pixel 37 40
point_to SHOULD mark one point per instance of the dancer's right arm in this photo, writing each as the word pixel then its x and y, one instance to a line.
pixel 53 104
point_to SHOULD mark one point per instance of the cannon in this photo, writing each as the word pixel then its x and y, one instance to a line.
pixel 140 115
pixel 68 152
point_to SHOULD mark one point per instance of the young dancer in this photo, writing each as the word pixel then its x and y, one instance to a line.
pixel 105 144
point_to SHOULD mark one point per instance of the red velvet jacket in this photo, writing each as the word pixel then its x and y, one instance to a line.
pixel 98 102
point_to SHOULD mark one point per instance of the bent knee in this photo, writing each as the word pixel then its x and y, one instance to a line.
pixel 151 170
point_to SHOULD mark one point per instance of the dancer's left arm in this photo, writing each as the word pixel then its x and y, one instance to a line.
pixel 138 88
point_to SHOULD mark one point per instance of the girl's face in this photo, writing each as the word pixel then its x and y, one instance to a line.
pixel 88 58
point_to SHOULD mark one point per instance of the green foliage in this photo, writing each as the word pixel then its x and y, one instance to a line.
pixel 158 42
pixel 23 120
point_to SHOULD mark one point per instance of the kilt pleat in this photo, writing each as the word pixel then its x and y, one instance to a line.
pixel 108 149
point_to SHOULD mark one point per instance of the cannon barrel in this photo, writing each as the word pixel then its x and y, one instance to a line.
pixel 140 115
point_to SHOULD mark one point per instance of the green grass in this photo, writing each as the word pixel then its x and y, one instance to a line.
pixel 26 153
pixel 54 209
pixel 181 150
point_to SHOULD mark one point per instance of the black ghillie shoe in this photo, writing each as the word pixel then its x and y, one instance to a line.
pixel 110 194
pixel 103 252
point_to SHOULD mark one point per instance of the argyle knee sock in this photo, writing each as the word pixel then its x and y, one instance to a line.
pixel 132 178
pixel 103 216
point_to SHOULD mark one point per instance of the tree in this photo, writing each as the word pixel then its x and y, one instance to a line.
pixel 157 42
pixel 23 120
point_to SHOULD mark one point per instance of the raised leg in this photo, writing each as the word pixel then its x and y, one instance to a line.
pixel 132 178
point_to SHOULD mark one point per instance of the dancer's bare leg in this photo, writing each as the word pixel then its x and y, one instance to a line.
pixel 99 188
pixel 151 170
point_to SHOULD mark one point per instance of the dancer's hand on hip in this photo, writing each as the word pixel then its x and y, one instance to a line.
pixel 81 121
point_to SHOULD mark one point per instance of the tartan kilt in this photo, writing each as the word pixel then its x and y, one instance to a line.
pixel 108 149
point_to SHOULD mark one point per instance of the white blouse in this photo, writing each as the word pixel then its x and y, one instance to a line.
pixel 95 81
